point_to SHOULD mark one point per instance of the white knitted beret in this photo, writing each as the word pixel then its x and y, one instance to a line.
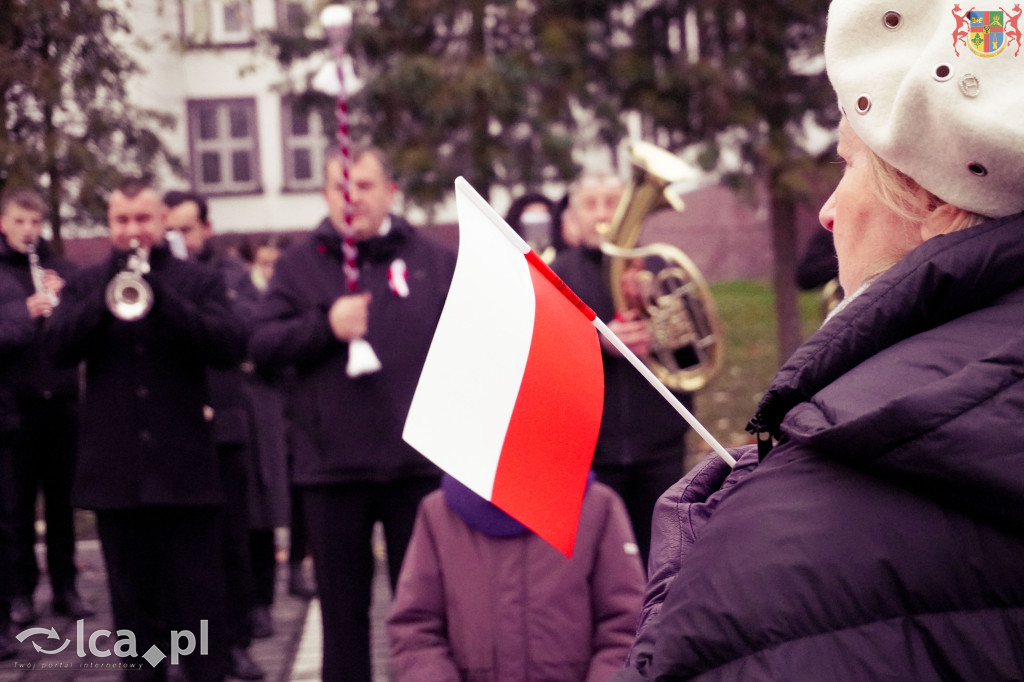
pixel 955 124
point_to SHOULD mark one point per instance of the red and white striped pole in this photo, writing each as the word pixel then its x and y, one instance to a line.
pixel 337 24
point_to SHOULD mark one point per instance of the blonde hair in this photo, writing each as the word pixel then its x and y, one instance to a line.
pixel 902 194
pixel 25 198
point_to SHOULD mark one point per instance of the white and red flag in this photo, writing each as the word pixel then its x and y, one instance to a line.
pixel 509 401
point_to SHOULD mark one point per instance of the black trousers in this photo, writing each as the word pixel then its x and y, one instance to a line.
pixel 6 527
pixel 298 538
pixel 237 558
pixel 640 486
pixel 263 559
pixel 44 461
pixel 166 573
pixel 340 520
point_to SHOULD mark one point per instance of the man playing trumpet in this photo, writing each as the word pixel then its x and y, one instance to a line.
pixel 147 461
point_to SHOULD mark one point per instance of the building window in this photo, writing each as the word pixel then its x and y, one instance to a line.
pixel 224 146
pixel 293 16
pixel 306 141
pixel 219 22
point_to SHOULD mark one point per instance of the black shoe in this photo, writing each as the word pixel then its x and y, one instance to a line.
pixel 71 605
pixel 243 667
pixel 8 647
pixel 22 611
pixel 299 583
pixel 260 623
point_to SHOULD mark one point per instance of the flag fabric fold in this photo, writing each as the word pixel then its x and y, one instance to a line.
pixel 509 400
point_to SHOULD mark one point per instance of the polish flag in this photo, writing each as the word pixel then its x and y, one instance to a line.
pixel 509 400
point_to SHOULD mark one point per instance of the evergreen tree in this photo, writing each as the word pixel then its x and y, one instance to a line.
pixel 741 80
pixel 483 89
pixel 492 90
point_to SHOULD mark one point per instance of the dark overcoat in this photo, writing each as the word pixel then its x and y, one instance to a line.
pixel 145 436
pixel 345 429
pixel 26 370
pixel 638 425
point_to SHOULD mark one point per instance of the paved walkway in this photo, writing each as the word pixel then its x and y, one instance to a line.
pixel 292 653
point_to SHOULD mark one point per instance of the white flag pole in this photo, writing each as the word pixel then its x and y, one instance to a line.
pixel 665 393
pixel 499 222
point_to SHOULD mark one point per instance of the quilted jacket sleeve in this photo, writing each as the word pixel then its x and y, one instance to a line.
pixel 679 516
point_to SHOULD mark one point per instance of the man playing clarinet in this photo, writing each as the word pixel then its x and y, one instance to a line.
pixel 40 457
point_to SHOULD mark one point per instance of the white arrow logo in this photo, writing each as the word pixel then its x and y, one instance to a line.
pixel 50 634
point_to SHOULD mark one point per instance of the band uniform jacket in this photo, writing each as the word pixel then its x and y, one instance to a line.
pixel 343 429
pixel 26 370
pixel 145 438
pixel 637 424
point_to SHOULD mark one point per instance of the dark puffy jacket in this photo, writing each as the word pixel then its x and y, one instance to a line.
pixel 343 429
pixel 881 538
pixel 31 372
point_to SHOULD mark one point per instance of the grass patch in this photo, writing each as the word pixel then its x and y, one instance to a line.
pixel 727 403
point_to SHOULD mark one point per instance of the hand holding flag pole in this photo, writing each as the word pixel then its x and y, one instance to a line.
pixel 337 23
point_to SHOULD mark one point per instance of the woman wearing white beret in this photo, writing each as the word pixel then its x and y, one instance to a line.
pixel 875 532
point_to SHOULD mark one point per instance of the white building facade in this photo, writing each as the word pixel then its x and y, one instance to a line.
pixel 259 162
pixel 245 143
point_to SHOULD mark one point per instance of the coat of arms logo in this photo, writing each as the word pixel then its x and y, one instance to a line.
pixel 986 32
pixel 987 37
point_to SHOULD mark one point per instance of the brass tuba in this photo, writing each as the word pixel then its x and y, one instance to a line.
pixel 687 345
pixel 129 297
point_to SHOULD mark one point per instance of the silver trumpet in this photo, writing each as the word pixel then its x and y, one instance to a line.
pixel 39 274
pixel 129 297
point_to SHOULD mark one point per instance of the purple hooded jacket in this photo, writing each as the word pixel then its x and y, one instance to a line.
pixel 881 539
pixel 481 598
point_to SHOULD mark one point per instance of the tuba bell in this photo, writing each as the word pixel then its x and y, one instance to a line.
pixel 663 284
pixel 129 297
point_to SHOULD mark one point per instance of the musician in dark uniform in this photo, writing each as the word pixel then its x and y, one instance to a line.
pixel 16 332
pixel 147 463
pixel 46 402
pixel 642 442
pixel 351 465
pixel 188 216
